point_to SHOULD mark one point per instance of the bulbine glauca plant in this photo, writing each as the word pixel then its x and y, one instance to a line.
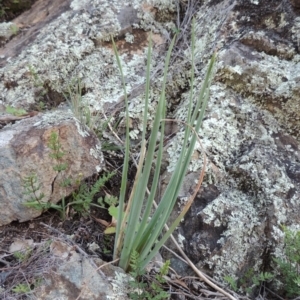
pixel 138 229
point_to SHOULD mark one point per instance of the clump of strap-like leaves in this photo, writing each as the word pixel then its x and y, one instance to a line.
pixel 138 229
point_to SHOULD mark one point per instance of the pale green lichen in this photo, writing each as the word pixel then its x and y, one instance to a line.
pixel 274 78
pixel 60 49
pixel 240 235
pixel 129 38
pixel 120 285
pixel 295 30
pixel 7 30
pixel 53 117
pixel 180 240
pixel 96 153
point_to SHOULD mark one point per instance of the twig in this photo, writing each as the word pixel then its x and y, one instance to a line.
pixel 276 294
pixel 188 295
pixel 175 254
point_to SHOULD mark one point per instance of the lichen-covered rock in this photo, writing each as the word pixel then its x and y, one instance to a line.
pixel 25 150
pixel 73 47
pixel 250 136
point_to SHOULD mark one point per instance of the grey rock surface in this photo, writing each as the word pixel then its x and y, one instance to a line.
pixel 74 275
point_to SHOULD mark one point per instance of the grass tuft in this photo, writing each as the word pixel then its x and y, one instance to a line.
pixel 137 229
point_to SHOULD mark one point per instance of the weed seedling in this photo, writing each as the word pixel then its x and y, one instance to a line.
pixel 32 187
pixel 142 290
pixel 15 111
pixel 83 197
pixel 22 255
pixel 21 288
pixel 290 266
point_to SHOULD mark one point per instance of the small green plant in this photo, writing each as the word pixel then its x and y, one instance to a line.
pixel 2 11
pixel 14 29
pixel 249 281
pixel 290 266
pixel 144 290
pixel 232 282
pixel 15 111
pixel 107 244
pixel 23 255
pixel 38 83
pixel 156 291
pixel 57 154
pixel 41 106
pixel 81 111
pixel 21 288
pixel 83 197
pixel 108 200
pixel 31 188
pixel 262 277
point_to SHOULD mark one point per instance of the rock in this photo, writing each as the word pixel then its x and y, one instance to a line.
pixel 42 69
pixel 30 23
pixel 24 150
pixel 57 270
pixel 250 135
pixel 75 275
